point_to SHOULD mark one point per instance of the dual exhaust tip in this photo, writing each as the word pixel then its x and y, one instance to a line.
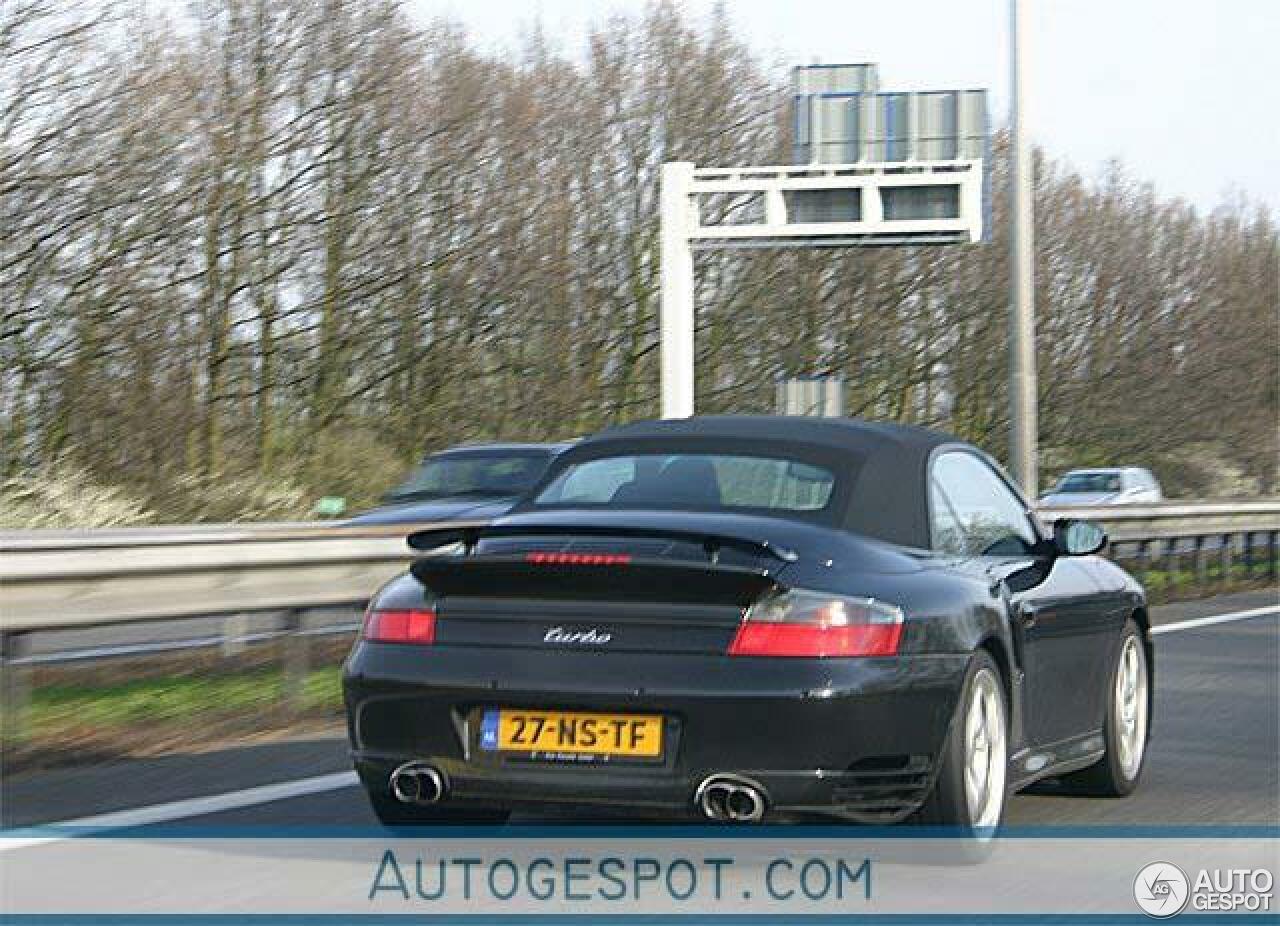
pixel 731 799
pixel 722 798
pixel 418 783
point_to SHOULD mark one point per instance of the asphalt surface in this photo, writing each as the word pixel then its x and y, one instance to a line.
pixel 1214 756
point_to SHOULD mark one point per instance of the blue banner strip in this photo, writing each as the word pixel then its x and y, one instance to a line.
pixel 634 831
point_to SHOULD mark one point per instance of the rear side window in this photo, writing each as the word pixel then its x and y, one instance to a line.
pixel 1090 482
pixel 473 473
pixel 693 481
pixel 945 523
pixel 973 512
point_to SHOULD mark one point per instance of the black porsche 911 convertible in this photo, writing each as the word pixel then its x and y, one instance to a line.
pixel 751 617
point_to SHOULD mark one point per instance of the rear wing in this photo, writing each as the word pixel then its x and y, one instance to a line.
pixel 530 578
pixel 468 536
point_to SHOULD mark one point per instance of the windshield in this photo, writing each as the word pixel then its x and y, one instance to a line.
pixel 692 481
pixel 1090 482
pixel 478 474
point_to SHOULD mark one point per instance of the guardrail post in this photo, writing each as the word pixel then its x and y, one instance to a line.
pixel 1273 554
pixel 1224 557
pixel 1201 564
pixel 15 689
pixel 234 631
pixel 1248 554
pixel 1143 561
pixel 296 658
pixel 1172 561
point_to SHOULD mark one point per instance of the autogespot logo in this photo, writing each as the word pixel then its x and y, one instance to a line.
pixel 1161 889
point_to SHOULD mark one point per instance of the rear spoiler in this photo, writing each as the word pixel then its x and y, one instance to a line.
pixel 640 580
pixel 437 537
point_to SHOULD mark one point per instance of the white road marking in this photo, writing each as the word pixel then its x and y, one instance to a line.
pixel 192 807
pixel 1216 619
pixel 266 794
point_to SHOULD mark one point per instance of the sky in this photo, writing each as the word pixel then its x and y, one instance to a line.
pixel 1186 93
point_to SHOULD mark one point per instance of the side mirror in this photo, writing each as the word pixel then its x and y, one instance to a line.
pixel 1078 538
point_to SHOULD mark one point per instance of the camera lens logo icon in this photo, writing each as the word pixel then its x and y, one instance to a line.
pixel 1161 889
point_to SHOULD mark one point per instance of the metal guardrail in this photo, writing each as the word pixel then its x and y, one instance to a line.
pixel 65 580
pixel 1176 519
pixel 1202 544
pixel 60 582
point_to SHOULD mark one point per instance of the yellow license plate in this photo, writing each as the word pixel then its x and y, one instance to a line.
pixel 530 731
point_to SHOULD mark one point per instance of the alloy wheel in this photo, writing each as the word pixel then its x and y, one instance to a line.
pixel 985 751
pixel 1130 707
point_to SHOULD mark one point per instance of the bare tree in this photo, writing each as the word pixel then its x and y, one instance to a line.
pixel 304 241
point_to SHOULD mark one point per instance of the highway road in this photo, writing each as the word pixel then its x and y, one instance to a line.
pixel 1215 753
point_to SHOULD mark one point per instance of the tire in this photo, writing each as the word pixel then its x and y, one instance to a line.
pixel 392 813
pixel 972 786
pixel 1126 727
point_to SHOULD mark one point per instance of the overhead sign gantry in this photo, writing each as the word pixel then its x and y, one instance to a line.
pixel 911 169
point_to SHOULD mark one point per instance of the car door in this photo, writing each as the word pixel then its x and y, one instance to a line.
pixel 1059 615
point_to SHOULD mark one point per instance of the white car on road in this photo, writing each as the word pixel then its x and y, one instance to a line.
pixel 1121 485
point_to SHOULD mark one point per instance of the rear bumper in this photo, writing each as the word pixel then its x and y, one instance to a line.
pixel 856 737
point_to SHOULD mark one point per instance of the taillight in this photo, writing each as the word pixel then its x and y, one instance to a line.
pixel 799 623
pixel 400 626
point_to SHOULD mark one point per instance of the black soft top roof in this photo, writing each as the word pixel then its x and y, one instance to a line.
pixel 884 465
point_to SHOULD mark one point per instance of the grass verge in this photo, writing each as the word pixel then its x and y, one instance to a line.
pixel 1169 582
pixel 69 722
